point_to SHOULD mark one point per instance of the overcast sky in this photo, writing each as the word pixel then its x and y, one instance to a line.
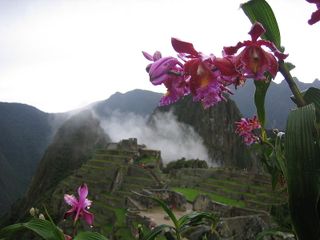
pixel 59 55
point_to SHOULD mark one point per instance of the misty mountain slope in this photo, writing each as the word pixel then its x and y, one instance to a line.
pixel 24 134
pixel 216 127
pixel 140 102
pixel 72 145
pixel 277 104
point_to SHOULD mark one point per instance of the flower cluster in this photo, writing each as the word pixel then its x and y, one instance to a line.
pixel 315 17
pixel 207 77
pixel 245 128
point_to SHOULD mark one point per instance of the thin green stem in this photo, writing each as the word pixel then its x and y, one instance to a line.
pixel 292 85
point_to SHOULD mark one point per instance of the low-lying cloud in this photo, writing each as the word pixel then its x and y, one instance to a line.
pixel 174 139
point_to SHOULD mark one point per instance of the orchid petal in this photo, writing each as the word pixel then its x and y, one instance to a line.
pixel 315 17
pixel 87 203
pixel 83 191
pixel 70 200
pixel 68 213
pixel 88 217
pixel 273 48
pixel 159 70
pixel 183 47
pixel 314 1
pixel 256 31
pixel 232 50
pixel 147 56
pixel 156 56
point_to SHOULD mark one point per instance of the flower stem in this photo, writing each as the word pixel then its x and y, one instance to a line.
pixel 292 85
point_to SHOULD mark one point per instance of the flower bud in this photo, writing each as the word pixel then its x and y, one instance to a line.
pixel 32 212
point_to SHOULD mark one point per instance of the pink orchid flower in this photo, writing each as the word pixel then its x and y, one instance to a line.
pixel 254 61
pixel 79 206
pixel 245 128
pixel 201 74
pixel 167 71
pixel 315 17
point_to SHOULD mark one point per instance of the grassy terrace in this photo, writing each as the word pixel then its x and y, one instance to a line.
pixel 192 193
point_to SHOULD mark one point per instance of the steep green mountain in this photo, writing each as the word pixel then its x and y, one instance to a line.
pixel 140 102
pixel 73 145
pixel 24 135
pixel 278 102
pixel 216 127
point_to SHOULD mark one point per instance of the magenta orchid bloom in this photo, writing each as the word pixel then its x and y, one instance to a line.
pixel 315 17
pixel 201 74
pixel 79 206
pixel 254 61
pixel 167 71
pixel 245 128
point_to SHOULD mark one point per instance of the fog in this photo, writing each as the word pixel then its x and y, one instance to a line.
pixel 174 139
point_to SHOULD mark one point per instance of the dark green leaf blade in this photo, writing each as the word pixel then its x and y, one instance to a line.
pixel 156 231
pixel 90 236
pixel 259 99
pixel 168 211
pixel 260 10
pixel 302 151
pixel 45 229
pixel 11 229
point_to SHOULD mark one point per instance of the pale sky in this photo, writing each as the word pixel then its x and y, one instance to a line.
pixel 58 55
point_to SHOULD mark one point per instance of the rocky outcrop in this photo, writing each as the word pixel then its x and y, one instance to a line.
pixel 216 127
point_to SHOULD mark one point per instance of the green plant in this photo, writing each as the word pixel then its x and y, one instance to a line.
pixel 180 226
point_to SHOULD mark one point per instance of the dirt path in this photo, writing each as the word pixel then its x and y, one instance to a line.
pixel 158 215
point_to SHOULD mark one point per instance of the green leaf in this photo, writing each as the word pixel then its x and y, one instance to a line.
pixel 156 231
pixel 260 10
pixel 290 66
pixel 259 99
pixel 90 236
pixel 195 219
pixel 279 153
pixel 11 229
pixel 275 233
pixel 312 95
pixel 168 211
pixel 302 151
pixel 43 228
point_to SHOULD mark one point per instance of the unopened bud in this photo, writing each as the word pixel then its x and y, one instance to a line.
pixel 32 212
pixel 41 216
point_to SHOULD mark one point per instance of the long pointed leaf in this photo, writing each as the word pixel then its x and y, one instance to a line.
pixel 168 211
pixel 156 231
pixel 259 99
pixel 302 150
pixel 43 228
pixel 260 10
pixel 195 218
pixel 90 236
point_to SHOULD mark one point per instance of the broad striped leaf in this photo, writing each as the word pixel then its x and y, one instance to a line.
pixel 90 236
pixel 302 151
pixel 260 10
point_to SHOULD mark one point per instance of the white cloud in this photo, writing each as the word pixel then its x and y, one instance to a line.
pixel 174 139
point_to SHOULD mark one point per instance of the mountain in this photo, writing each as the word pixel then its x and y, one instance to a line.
pixel 140 102
pixel 25 134
pixel 216 127
pixel 277 103
pixel 72 145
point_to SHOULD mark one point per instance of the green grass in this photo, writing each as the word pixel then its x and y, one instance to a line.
pixel 147 160
pixel 191 194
